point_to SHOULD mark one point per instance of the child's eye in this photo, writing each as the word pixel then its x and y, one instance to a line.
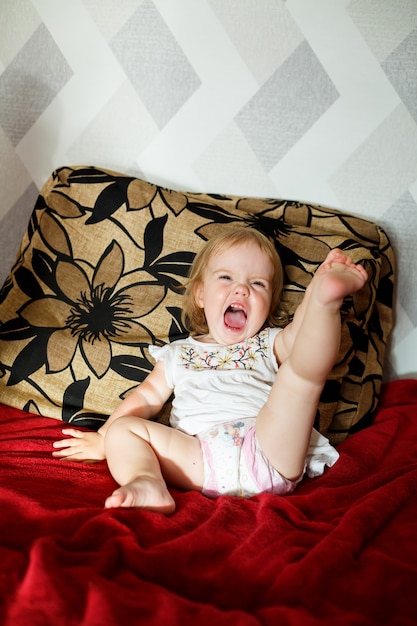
pixel 224 277
pixel 259 283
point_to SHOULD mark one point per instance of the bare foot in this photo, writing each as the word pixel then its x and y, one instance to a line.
pixel 144 492
pixel 338 276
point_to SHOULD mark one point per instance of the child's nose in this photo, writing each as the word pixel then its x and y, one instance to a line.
pixel 242 288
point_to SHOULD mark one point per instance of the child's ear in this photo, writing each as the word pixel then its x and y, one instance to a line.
pixel 198 294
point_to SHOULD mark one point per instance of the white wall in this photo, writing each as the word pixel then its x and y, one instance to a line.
pixel 310 100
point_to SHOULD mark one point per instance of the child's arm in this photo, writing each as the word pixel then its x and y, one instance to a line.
pixel 145 401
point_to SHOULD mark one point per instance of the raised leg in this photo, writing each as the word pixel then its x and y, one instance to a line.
pixel 284 424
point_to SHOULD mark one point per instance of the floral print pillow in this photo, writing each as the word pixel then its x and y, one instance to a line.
pixel 98 279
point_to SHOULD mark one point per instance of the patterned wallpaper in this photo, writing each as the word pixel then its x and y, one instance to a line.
pixel 300 99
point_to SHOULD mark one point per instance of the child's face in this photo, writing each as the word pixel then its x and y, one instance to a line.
pixel 236 293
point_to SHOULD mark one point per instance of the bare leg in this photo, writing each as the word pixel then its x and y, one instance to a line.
pixel 284 424
pixel 142 455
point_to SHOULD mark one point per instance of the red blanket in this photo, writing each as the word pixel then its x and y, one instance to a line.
pixel 341 550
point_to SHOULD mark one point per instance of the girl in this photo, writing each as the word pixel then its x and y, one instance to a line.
pixel 245 391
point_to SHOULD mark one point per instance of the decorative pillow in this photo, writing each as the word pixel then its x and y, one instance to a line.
pixel 97 280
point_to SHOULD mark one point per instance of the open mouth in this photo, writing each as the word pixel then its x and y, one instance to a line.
pixel 235 317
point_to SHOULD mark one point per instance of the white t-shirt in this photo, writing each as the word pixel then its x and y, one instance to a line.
pixel 215 384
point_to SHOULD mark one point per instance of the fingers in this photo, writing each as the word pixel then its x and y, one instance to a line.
pixel 69 449
pixel 79 446
pixel 73 432
pixel 67 455
pixel 65 446
pixel 75 437
pixel 66 443
pixel 63 454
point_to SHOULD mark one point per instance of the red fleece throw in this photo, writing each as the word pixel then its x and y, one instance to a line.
pixel 342 549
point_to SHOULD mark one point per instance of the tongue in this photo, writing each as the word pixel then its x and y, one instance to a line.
pixel 235 318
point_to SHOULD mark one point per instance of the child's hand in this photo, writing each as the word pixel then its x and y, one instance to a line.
pixel 81 446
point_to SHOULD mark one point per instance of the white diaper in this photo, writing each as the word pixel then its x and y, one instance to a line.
pixel 234 464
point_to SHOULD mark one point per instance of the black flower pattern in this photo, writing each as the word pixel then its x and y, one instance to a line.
pixel 89 315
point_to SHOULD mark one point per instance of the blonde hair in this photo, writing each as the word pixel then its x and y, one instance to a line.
pixel 193 316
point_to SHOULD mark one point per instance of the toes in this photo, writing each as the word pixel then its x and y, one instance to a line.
pixel 115 500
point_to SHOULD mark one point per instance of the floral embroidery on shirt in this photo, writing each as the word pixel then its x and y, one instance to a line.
pixel 236 356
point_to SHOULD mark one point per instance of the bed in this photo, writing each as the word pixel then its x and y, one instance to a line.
pixel 96 280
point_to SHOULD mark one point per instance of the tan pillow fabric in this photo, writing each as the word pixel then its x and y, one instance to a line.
pixel 96 281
